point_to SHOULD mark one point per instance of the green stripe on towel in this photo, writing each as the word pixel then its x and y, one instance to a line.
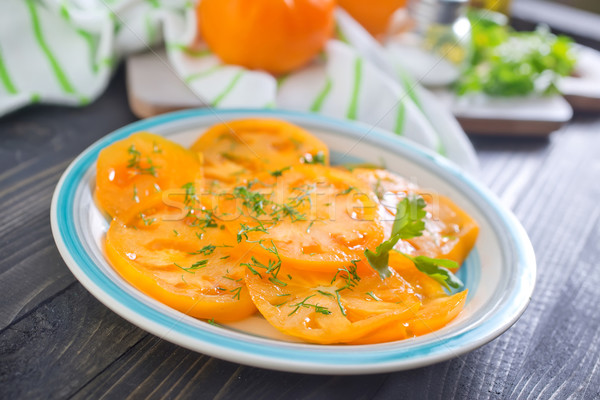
pixel 5 78
pixel 318 103
pixel 203 74
pixel 154 3
pixel 353 108
pixel 64 11
pixel 400 117
pixel 227 89
pixel 92 45
pixel 56 68
pixel 409 86
pixel 150 29
pixel 190 52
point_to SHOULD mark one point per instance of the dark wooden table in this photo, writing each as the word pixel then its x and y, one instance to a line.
pixel 58 341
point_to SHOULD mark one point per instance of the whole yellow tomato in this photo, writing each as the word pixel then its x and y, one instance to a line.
pixel 373 15
pixel 277 36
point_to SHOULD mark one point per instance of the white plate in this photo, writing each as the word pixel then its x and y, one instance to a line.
pixel 499 273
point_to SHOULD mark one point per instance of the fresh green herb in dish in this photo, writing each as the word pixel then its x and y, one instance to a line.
pixel 507 63
pixel 408 224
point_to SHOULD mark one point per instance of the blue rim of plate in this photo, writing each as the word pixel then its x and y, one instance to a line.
pixel 267 353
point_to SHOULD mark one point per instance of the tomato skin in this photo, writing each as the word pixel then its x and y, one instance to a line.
pixel 134 168
pixel 277 36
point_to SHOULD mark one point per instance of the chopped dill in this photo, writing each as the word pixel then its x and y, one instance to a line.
pixel 134 162
pixel 194 267
pixel 279 172
pixel 236 292
pixel 319 309
pixel 147 221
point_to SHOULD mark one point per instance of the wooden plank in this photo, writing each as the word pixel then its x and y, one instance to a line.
pixel 559 209
pixel 61 345
pixel 507 166
pixel 155 368
pixel 31 269
pixel 570 325
pixel 36 145
pixel 66 343
pixel 158 369
pixel 509 128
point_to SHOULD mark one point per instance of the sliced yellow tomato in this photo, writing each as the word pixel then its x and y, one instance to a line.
pixel 134 168
pixel 254 145
pixel 433 316
pixel 426 287
pixel 438 308
pixel 190 266
pixel 274 228
pixel 329 308
pixel 318 218
pixel 449 233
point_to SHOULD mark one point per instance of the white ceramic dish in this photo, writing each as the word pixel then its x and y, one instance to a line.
pixel 499 273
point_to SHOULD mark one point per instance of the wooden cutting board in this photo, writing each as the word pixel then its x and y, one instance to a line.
pixel 523 116
pixel 153 88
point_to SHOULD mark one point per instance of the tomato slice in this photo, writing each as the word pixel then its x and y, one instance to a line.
pixel 132 169
pixel 329 308
pixel 433 316
pixel 192 268
pixel 253 145
pixel 449 233
pixel 426 287
pixel 318 218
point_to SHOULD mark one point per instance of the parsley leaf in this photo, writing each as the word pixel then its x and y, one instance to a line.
pixel 409 223
pixel 438 269
pixel 380 257
pixel 409 218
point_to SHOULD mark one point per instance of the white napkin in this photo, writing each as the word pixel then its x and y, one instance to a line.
pixel 64 51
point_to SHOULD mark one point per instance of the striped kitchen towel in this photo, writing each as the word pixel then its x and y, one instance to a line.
pixel 64 52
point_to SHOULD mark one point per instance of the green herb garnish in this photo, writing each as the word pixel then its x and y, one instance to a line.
pixel 196 266
pixel 437 269
pixel 135 194
pixel 348 190
pixel 505 62
pixel 318 158
pixel 319 309
pixel 279 172
pixel 134 162
pixel 147 221
pixel 408 224
pixel 236 292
